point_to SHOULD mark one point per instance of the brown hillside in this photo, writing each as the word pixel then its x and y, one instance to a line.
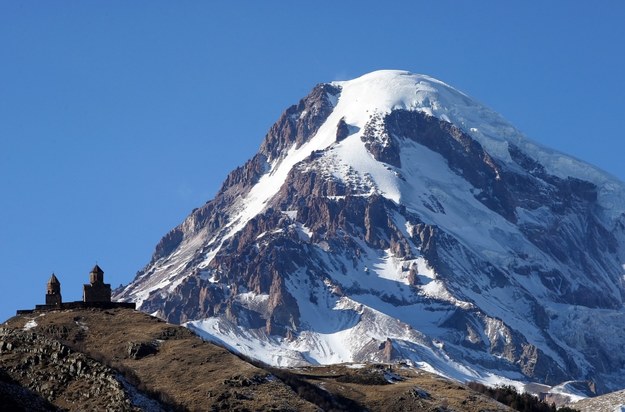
pixel 171 365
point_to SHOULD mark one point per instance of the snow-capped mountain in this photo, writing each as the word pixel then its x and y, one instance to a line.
pixel 390 218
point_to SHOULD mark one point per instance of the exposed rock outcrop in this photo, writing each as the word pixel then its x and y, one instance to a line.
pixel 60 375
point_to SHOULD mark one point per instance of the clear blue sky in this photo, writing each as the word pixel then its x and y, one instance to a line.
pixel 118 118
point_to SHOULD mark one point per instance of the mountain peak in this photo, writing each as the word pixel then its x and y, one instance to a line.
pixel 392 215
pixel 384 90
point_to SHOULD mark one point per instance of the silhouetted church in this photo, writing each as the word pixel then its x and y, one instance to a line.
pixel 95 294
pixel 96 290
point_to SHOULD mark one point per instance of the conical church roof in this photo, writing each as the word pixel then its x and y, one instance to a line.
pixel 53 280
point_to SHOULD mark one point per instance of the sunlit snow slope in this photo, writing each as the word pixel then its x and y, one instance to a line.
pixel 392 218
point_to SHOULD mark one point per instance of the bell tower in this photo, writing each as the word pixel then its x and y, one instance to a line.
pixel 96 275
pixel 53 292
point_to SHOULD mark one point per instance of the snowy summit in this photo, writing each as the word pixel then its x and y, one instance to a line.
pixel 393 218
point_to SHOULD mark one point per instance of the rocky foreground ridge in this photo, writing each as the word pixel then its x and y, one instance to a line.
pixel 56 372
pixel 123 360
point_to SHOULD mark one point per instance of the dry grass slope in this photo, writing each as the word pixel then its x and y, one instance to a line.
pixel 172 365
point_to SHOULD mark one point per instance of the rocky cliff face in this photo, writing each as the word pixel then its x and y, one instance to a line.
pixel 392 217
